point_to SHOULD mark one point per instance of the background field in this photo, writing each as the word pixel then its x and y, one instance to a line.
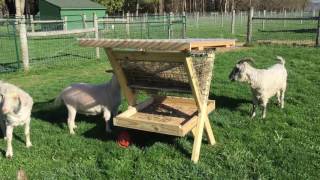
pixel 285 145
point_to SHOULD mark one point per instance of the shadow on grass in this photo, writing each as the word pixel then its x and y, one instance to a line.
pixel 143 139
pixel 46 111
pixel 228 102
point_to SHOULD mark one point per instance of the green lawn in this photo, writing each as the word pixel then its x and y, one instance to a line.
pixel 286 145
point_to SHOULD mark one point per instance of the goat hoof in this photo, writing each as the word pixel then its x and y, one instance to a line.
pixel 9 155
pixel 29 145
pixel 72 133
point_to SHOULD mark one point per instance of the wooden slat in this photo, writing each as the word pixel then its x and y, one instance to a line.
pixel 148 126
pixel 150 56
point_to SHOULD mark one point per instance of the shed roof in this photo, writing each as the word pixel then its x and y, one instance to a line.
pixel 75 4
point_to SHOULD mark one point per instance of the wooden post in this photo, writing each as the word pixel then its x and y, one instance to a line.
pixel 249 26
pixel 233 20
pixel 84 23
pixel 285 21
pixel 318 32
pixel 241 17
pixel 24 44
pixel 184 23
pixel 169 26
pixel 301 15
pixel 215 18
pixel 105 23
pixel 221 19
pixel 128 25
pixel 96 33
pixel 313 14
pixel 32 23
pixel 264 21
pixel 65 20
pixel 197 19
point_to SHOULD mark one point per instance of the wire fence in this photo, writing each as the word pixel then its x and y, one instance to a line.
pixel 54 42
pixel 9 47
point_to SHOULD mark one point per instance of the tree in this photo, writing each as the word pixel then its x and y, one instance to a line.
pixel 112 5
pixel 2 8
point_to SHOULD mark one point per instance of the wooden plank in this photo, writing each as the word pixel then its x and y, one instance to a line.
pixel 56 33
pixel 150 56
pixel 47 21
pixel 147 126
pixel 205 45
pixel 127 92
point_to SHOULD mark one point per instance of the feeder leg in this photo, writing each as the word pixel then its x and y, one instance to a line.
pixel 198 138
pixel 209 132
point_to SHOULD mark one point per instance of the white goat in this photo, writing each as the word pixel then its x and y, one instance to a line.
pixel 264 83
pixel 16 106
pixel 91 100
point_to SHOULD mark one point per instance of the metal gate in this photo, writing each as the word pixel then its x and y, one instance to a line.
pixel 9 46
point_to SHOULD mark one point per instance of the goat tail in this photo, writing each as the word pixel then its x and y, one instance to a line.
pixel 281 60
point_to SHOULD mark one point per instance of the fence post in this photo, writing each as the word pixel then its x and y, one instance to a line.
pixel 127 24
pixel 285 16
pixel 96 33
pixel 197 19
pixel 301 14
pixel 313 14
pixel 264 21
pixel 215 17
pixel 233 20
pixel 222 19
pixel 184 24
pixel 24 44
pixel 249 26
pixel 32 23
pixel 318 32
pixel 169 26
pixel 65 20
pixel 241 17
pixel 84 23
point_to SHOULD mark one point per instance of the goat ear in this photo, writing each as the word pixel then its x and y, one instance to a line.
pixel 247 60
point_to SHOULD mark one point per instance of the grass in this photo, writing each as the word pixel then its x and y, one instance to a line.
pixel 283 146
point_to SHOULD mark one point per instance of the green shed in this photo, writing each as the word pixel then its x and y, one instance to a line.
pixel 72 9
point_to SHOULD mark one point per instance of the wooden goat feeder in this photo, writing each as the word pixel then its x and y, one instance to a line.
pixel 165 66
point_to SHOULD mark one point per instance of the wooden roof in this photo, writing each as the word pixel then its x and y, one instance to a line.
pixel 159 44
